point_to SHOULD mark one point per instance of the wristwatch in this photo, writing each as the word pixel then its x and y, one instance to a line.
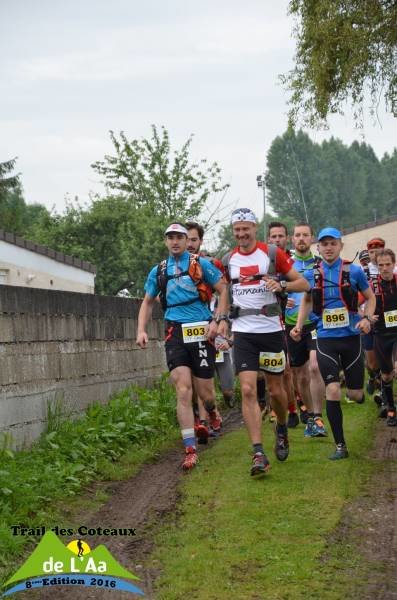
pixel 220 318
pixel 368 318
pixel 283 284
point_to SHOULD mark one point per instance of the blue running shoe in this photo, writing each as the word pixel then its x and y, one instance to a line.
pixel 318 428
pixel 309 427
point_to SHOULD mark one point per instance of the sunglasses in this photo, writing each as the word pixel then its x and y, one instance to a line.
pixel 241 210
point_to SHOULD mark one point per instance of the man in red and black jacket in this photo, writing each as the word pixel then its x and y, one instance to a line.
pixel 385 329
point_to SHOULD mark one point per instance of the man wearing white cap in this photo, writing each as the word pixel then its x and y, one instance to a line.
pixel 180 281
pixel 334 299
pixel 258 333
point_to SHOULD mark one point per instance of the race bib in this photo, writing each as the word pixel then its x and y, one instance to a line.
pixel 391 318
pixel 274 362
pixel 314 334
pixel 220 357
pixel 335 317
pixel 194 332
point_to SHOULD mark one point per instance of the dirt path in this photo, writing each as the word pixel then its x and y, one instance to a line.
pixel 369 523
pixel 140 502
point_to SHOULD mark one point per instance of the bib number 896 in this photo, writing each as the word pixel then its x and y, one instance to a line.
pixel 338 318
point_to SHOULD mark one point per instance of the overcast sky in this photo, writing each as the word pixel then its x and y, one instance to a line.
pixel 71 71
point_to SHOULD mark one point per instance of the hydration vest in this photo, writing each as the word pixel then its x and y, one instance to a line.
pixel 270 310
pixel 348 296
pixel 195 273
pixel 380 292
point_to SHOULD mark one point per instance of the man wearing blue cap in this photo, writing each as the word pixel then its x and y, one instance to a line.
pixel 333 297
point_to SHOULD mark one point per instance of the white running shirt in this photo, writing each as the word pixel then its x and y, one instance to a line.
pixel 253 294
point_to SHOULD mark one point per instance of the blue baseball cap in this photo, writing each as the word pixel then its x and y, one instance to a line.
pixel 329 232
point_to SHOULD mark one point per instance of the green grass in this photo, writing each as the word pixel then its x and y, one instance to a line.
pixel 267 539
pixel 37 486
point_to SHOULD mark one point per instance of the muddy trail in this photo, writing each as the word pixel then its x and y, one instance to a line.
pixel 369 524
pixel 143 502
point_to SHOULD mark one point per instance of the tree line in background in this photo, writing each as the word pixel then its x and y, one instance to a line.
pixel 148 185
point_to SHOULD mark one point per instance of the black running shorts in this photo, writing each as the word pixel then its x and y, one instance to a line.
pixel 385 347
pixel 334 354
pixel 254 351
pixel 198 356
pixel 299 352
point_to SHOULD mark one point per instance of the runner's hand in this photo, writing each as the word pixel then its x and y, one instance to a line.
pixel 364 326
pixel 296 334
pixel 211 330
pixel 223 328
pixel 271 284
pixel 142 339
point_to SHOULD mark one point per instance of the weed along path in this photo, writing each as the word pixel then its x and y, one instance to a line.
pixel 311 529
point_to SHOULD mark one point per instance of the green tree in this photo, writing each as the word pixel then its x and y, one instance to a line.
pixel 294 179
pixel 345 48
pixel 122 233
pixel 149 174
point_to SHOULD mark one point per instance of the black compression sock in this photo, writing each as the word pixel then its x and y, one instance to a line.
pixel 335 418
pixel 387 391
pixel 258 448
pixel 261 389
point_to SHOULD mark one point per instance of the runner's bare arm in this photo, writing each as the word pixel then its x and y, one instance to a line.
pixel 295 283
pixel 305 308
pixel 370 304
pixel 144 316
pixel 223 306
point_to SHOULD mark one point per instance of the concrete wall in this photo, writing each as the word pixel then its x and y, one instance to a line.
pixel 67 350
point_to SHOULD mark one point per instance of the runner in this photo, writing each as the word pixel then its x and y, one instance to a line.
pixel 302 354
pixel 223 363
pixel 371 270
pixel 278 235
pixel 385 328
pixel 189 326
pixel 258 334
pixel 334 298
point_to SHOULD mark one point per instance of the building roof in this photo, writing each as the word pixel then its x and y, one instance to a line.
pixel 11 238
pixel 370 225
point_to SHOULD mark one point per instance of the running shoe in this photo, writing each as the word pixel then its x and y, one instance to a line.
pixel 191 458
pixel 391 420
pixel 309 427
pixel 382 414
pixel 371 386
pixel 293 420
pixel 281 448
pixel 202 433
pixel 340 452
pixel 303 414
pixel 260 465
pixel 319 428
pixel 215 420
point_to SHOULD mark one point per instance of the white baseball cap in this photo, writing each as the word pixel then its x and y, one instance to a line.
pixel 243 214
pixel 176 228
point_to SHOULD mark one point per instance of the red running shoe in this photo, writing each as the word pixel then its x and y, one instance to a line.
pixel 202 433
pixel 191 458
pixel 215 420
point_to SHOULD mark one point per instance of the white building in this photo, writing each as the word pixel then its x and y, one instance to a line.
pixel 26 264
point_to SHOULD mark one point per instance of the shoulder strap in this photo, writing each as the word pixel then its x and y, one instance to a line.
pixel 272 253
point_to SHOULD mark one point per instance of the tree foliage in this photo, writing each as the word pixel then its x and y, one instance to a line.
pixel 329 183
pixel 345 48
pixel 150 175
pixel 122 233
pixel 15 215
